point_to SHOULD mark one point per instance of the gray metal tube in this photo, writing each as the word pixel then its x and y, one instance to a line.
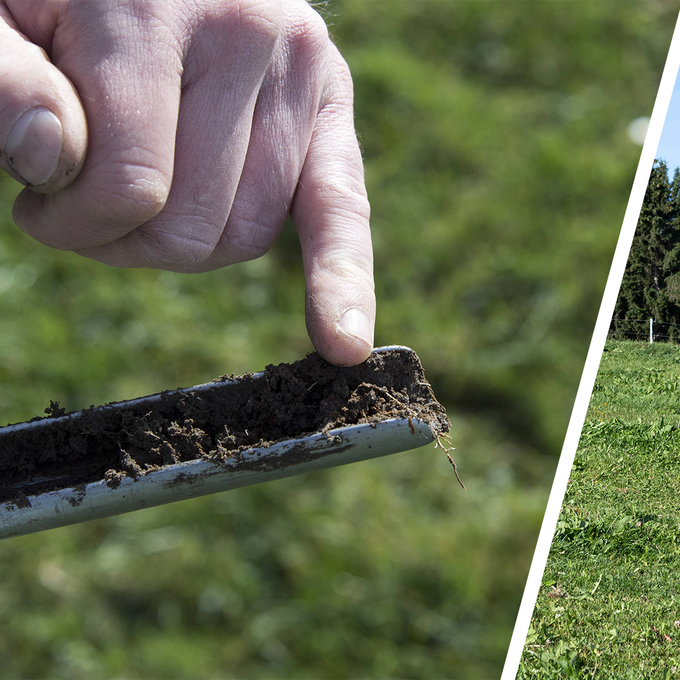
pixel 200 477
pixel 205 476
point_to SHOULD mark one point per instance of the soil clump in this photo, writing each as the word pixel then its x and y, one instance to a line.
pixel 223 419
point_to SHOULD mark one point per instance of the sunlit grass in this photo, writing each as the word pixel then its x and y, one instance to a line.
pixel 609 606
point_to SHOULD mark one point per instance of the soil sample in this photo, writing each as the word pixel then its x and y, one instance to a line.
pixel 214 421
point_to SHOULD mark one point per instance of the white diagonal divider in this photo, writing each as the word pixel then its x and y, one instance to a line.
pixel 592 363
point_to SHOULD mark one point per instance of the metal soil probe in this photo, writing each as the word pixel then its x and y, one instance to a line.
pixel 323 449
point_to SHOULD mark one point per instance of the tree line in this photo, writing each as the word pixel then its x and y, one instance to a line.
pixel 651 284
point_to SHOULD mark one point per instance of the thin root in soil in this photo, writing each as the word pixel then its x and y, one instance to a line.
pixel 438 442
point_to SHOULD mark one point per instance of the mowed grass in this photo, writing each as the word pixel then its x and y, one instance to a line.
pixel 609 605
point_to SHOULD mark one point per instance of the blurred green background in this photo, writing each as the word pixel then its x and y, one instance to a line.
pixel 499 165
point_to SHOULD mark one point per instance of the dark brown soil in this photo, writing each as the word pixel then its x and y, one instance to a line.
pixel 286 401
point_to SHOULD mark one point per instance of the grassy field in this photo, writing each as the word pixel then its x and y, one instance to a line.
pixel 609 605
pixel 499 166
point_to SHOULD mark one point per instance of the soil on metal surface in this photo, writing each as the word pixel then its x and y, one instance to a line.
pixel 233 414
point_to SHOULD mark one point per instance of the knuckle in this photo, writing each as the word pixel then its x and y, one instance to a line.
pixel 337 264
pixel 247 29
pixel 343 75
pixel 339 89
pixel 239 244
pixel 132 195
pixel 344 271
pixel 252 251
pixel 178 252
pixel 307 33
pixel 256 22
pixel 182 241
pixel 344 195
pixel 172 250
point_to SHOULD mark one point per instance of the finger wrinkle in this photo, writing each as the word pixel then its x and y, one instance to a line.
pixel 133 162
pixel 248 239
pixel 169 247
pixel 126 200
pixel 346 201
pixel 201 224
pixel 342 265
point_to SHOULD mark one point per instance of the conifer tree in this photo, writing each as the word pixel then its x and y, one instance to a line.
pixel 675 187
pixel 671 263
pixel 653 261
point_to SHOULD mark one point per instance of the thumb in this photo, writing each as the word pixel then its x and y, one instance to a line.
pixel 43 132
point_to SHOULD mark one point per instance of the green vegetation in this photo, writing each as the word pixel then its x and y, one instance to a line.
pixel 651 284
pixel 499 167
pixel 609 605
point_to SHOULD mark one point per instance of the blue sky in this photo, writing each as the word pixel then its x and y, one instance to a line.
pixel 669 145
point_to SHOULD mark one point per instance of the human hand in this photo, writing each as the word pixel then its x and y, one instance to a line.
pixel 209 121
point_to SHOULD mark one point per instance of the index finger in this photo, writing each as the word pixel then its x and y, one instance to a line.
pixel 331 213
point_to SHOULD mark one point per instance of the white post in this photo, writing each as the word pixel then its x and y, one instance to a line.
pixel 651 331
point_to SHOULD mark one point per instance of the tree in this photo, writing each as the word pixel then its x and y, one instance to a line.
pixel 651 283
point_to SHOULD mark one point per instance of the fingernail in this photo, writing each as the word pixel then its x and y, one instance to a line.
pixel 34 144
pixel 355 323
